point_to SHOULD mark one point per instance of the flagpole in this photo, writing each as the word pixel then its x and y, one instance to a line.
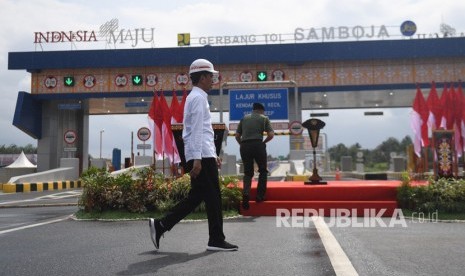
pixel 463 168
pixel 154 141
pixel 455 172
pixel 154 159
pixel 172 166
pixel 163 142
pixel 425 161
pixel 163 163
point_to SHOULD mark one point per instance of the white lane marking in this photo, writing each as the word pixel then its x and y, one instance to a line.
pixel 60 195
pixel 339 260
pixel 34 225
pixel 17 201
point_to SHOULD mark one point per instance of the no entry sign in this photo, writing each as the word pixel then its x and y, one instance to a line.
pixel 143 134
pixel 70 136
pixel 296 128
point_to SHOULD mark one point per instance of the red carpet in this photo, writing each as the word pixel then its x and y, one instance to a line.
pixel 374 195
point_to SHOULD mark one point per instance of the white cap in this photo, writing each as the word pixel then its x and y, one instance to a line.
pixel 200 65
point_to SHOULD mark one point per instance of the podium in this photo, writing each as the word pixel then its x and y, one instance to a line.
pixel 314 126
pixel 218 129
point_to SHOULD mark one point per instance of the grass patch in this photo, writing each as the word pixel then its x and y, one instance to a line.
pixel 125 215
pixel 433 215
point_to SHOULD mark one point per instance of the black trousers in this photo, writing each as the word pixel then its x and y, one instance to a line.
pixel 205 187
pixel 254 150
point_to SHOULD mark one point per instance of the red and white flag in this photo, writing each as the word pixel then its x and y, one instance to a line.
pixel 462 115
pixel 446 102
pixel 183 103
pixel 169 144
pixel 175 109
pixel 457 119
pixel 435 108
pixel 155 118
pixel 418 122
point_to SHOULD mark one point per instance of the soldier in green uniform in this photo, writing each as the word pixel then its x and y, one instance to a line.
pixel 249 135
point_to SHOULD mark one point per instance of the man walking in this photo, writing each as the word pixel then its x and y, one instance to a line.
pixel 249 135
pixel 202 163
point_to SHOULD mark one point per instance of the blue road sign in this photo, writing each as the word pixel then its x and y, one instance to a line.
pixel 275 101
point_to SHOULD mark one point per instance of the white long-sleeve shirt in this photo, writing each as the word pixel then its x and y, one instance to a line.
pixel 198 133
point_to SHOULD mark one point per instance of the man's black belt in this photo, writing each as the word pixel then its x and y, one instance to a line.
pixel 251 140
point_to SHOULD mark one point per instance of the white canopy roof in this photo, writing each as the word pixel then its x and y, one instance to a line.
pixel 22 162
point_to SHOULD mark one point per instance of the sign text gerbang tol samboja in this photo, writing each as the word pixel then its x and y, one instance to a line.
pixel 339 217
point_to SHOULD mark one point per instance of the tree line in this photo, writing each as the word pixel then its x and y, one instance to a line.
pixel 14 149
pixel 381 154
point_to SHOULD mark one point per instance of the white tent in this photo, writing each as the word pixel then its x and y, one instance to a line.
pixel 22 162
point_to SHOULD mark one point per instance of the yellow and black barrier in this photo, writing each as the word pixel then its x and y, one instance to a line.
pixel 40 186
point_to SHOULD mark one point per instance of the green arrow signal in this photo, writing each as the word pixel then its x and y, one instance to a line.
pixel 69 81
pixel 136 80
pixel 261 76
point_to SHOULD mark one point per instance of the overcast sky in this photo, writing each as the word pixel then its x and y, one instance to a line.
pixel 20 19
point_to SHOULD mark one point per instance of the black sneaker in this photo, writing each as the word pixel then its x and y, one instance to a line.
pixel 156 231
pixel 221 246
pixel 245 202
pixel 260 199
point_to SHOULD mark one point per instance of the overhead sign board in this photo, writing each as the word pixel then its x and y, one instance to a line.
pixel 135 104
pixel 70 106
pixel 275 101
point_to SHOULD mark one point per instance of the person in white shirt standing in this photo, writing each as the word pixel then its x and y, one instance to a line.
pixel 202 163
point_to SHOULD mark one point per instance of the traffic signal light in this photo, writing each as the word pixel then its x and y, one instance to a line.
pixel 137 80
pixel 69 81
pixel 262 76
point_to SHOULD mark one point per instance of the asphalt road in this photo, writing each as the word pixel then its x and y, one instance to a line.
pixel 421 248
pixel 40 199
pixel 25 209
pixel 124 248
pixel 30 245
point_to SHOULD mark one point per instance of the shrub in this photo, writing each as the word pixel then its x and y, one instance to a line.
pixel 446 195
pixel 95 182
pixel 178 189
pixel 404 192
pixel 140 190
pixel 231 194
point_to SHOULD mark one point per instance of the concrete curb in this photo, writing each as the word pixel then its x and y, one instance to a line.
pixel 73 217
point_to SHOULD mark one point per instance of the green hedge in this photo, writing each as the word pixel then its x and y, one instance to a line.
pixel 445 195
pixel 141 190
